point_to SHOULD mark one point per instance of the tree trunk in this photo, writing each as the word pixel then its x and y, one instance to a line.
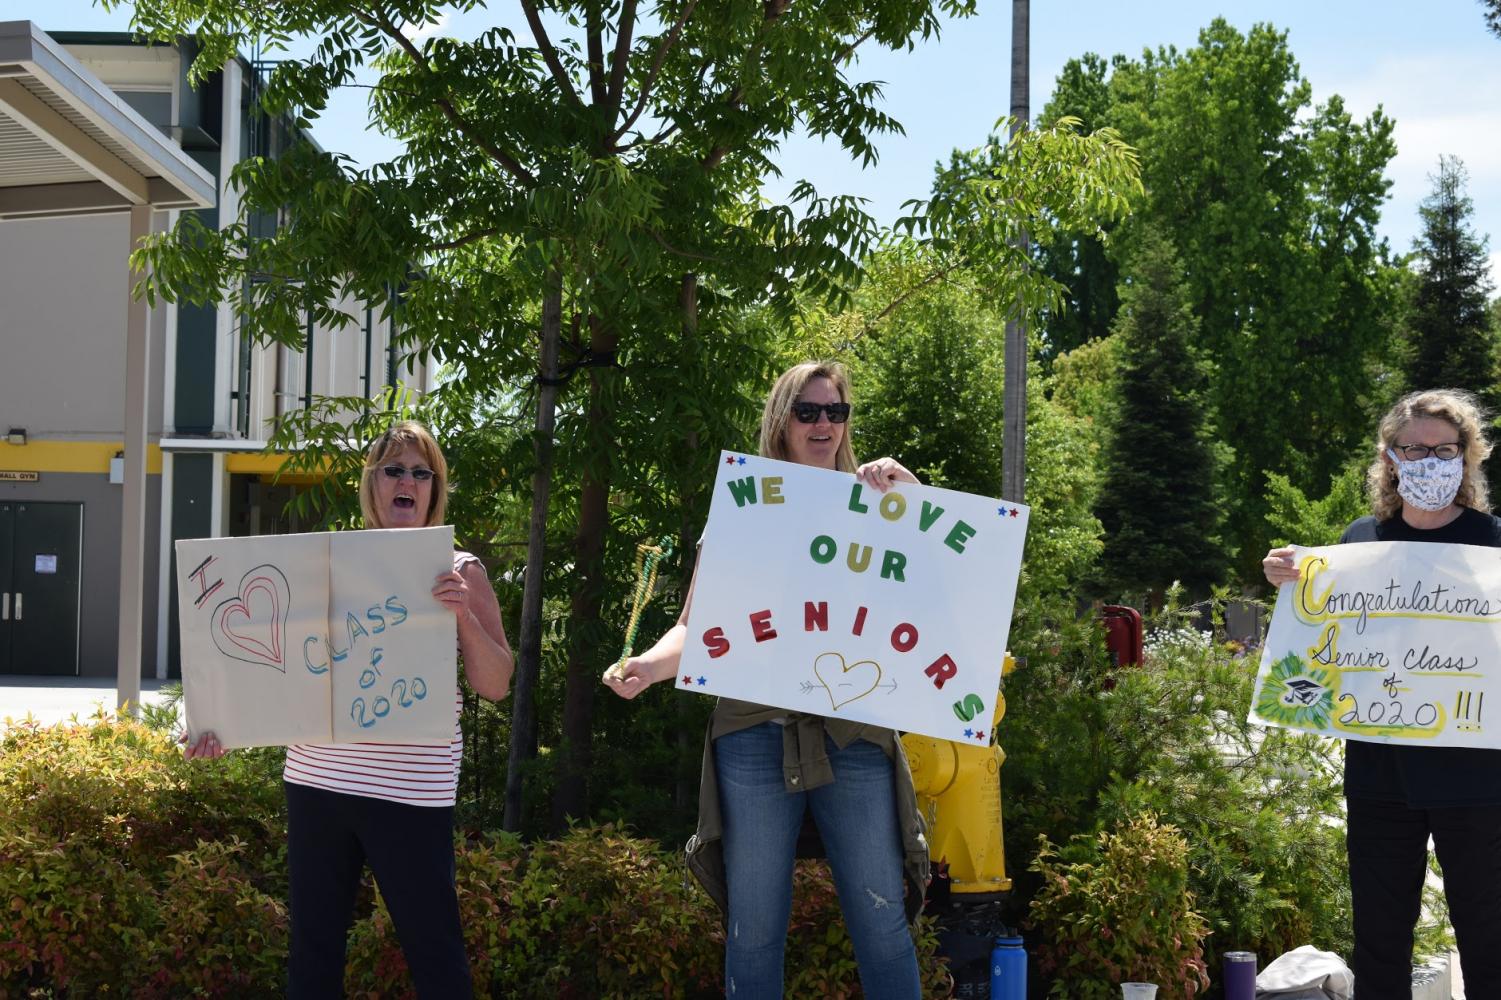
pixel 1014 418
pixel 529 652
pixel 586 657
pixel 686 785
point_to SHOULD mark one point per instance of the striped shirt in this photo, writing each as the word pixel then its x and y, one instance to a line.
pixel 419 774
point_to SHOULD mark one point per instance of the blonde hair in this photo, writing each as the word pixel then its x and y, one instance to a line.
pixel 396 438
pixel 1454 407
pixel 778 413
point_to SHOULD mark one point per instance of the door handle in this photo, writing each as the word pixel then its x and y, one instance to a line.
pixel 18 605
pixel 4 607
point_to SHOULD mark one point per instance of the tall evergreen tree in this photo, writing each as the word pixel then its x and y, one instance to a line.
pixel 1271 203
pixel 1452 343
pixel 1157 504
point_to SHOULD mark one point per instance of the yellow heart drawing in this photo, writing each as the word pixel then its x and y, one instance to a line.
pixel 842 679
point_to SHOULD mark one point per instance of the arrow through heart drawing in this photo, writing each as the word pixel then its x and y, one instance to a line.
pixel 251 625
pixel 846 682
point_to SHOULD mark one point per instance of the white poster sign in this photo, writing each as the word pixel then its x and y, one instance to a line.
pixel 317 638
pixel 817 594
pixel 1386 642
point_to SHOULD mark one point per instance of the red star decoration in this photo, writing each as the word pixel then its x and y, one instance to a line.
pixel 687 680
pixel 980 735
pixel 1014 512
pixel 730 460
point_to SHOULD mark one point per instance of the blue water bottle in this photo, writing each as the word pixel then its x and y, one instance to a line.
pixel 1008 970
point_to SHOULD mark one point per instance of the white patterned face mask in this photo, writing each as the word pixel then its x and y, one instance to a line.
pixel 1430 483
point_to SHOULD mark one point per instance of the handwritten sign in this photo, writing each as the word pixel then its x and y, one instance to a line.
pixel 1387 642
pixel 323 637
pixel 817 594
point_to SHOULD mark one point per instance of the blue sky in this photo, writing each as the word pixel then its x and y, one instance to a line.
pixel 1430 65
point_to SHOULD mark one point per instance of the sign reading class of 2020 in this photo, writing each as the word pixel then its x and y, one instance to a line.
pixel 1386 642
pixel 317 638
pixel 819 594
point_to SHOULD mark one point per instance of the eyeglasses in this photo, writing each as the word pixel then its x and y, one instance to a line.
pixel 1418 452
pixel 419 474
pixel 807 413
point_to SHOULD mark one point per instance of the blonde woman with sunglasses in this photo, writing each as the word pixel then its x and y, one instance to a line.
pixel 765 768
pixel 389 805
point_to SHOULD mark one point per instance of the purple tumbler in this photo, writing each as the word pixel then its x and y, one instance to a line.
pixel 1240 975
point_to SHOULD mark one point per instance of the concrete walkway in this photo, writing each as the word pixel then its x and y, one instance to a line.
pixel 57 699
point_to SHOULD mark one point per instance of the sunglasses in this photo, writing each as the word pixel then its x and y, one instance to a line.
pixel 397 471
pixel 807 413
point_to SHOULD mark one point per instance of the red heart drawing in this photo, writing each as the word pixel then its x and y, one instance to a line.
pixel 249 626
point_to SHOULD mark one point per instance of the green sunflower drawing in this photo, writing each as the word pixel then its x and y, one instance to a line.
pixel 1297 694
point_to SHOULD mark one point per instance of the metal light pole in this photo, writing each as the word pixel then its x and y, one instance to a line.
pixel 1014 435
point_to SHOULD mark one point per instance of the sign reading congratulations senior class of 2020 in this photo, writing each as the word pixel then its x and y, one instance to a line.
pixel 818 594
pixel 1387 642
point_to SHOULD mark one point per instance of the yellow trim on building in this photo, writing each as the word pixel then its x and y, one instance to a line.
pixel 70 456
pixel 263 464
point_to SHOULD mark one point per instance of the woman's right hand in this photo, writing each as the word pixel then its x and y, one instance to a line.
pixel 630 678
pixel 207 745
pixel 1279 566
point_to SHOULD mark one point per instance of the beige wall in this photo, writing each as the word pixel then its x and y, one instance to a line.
pixel 63 298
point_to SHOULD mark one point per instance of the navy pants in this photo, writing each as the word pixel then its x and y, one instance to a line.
pixel 1388 848
pixel 330 838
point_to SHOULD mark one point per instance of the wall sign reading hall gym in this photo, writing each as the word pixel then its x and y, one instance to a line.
pixel 819 594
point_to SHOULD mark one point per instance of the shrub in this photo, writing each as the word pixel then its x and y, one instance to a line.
pixel 126 789
pixel 220 935
pixel 1120 911
pixel 602 914
pixel 76 919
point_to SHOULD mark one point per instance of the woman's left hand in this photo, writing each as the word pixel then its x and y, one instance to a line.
pixel 453 592
pixel 884 473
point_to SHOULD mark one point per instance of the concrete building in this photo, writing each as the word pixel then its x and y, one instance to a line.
pixel 125 427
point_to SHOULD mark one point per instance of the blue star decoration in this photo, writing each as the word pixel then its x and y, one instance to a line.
pixel 1001 511
pixel 702 681
pixel 741 460
pixel 969 732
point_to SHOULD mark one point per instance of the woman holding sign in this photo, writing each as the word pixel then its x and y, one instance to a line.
pixel 1426 484
pixel 389 804
pixel 764 768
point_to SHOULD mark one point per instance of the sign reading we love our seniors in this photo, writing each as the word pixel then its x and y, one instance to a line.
pixel 1387 642
pixel 818 594
pixel 324 637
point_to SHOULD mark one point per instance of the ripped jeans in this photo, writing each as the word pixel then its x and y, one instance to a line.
pixel 856 817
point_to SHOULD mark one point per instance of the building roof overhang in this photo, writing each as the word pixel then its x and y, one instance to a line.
pixel 69 146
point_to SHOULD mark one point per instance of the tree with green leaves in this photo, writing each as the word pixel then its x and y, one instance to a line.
pixel 1492 16
pixel 1452 342
pixel 1157 503
pixel 594 185
pixel 1271 205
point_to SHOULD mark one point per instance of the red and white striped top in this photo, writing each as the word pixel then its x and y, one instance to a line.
pixel 419 774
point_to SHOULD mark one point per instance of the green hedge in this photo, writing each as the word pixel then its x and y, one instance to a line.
pixel 127 871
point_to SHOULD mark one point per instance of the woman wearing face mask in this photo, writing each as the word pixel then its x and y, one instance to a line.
pixel 764 768
pixel 1426 485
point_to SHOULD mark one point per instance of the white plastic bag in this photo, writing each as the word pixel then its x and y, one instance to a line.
pixel 1306 974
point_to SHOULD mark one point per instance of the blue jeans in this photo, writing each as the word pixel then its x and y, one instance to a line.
pixel 856 817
